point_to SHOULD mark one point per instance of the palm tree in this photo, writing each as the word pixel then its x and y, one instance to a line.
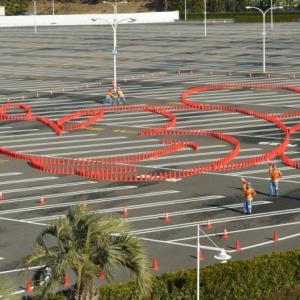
pixel 84 244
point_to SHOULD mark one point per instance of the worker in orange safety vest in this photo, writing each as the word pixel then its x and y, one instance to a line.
pixel 121 97
pixel 109 97
pixel 249 194
pixel 274 180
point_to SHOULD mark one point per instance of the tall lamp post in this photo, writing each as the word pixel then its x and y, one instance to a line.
pixel 114 24
pixel 205 33
pixel 223 257
pixel 53 7
pixel 184 10
pixel 264 33
pixel 271 13
pixel 34 14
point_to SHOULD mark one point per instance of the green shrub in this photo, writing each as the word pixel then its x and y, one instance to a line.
pixel 250 279
pixel 245 17
pixel 258 18
pixel 268 277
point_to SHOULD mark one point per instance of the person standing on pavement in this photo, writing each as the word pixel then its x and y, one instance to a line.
pixel 274 180
pixel 109 97
pixel 249 194
pixel 121 97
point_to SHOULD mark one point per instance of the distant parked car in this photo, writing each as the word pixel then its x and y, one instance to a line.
pixel 25 13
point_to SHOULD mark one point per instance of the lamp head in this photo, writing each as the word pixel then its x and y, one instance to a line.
pixel 248 7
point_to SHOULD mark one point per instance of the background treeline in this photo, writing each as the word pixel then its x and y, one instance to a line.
pixel 193 6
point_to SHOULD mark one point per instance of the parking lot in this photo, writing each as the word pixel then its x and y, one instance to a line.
pixel 61 70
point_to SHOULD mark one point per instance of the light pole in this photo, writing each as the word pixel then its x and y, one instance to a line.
pixel 198 262
pixel 205 33
pixel 184 10
pixel 34 13
pixel 271 14
pixel 114 26
pixel 222 256
pixel 53 7
pixel 264 33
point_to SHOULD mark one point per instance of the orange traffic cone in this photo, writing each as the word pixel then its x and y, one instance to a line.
pixel 101 275
pixel 201 255
pixel 275 236
pixel 1 196
pixel 208 225
pixel 237 245
pixel 166 217
pixel 155 265
pixel 28 287
pixel 125 211
pixel 41 201
pixel 225 234
pixel 66 281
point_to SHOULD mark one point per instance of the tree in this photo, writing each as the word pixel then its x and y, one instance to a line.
pixel 85 245
pixel 13 7
pixel 193 6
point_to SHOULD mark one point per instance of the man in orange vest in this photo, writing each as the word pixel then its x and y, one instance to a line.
pixel 249 193
pixel 121 97
pixel 275 176
pixel 109 97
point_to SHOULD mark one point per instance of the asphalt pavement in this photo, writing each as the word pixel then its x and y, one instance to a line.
pixel 64 69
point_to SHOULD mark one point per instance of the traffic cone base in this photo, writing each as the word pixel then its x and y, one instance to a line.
pixel 237 245
pixel 28 287
pixel 166 217
pixel 66 281
pixel 208 225
pixel 125 211
pixel 1 196
pixel 225 234
pixel 101 276
pixel 155 265
pixel 41 201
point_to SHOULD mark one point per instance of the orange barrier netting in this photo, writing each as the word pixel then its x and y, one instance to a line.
pixel 122 168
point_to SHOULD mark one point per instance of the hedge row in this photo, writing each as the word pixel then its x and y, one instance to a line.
pixel 277 18
pixel 246 17
pixel 261 277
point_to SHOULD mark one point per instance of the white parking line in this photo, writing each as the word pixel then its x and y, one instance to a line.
pixel 46 187
pixel 130 207
pixel 28 180
pixel 49 196
pixel 217 221
pixel 238 231
pixel 193 211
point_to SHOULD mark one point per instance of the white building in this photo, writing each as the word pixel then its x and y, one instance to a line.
pixel 2 11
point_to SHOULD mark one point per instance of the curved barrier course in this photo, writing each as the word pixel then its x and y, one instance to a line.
pixel 122 168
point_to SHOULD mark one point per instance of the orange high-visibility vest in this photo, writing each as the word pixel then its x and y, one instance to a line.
pixel 275 174
pixel 120 93
pixel 249 193
pixel 109 93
